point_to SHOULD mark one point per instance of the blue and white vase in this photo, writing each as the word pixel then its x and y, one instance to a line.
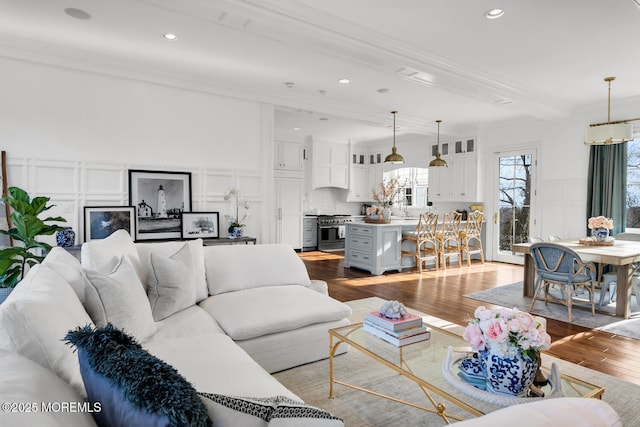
pixel 509 376
pixel 66 238
pixel 600 234
pixel 235 233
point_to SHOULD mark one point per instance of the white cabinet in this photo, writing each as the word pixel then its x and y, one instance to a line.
pixel 288 156
pixel 373 247
pixel 359 189
pixel 459 181
pixel 465 179
pixel 330 165
pixel 288 197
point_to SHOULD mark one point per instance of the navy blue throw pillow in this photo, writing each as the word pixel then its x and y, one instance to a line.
pixel 133 387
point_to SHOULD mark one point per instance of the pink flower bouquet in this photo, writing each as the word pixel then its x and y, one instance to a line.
pixel 506 332
pixel 600 222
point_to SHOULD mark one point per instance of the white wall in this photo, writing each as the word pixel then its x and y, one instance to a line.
pixel 73 136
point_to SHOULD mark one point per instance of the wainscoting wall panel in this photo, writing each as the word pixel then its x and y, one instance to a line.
pixel 74 185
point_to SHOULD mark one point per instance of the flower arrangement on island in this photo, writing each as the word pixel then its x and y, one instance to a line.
pixel 236 221
pixel 386 192
pixel 600 222
pixel 507 332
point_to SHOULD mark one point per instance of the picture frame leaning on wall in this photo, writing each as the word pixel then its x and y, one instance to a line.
pixel 160 199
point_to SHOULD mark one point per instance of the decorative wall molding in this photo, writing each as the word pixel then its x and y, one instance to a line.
pixel 72 185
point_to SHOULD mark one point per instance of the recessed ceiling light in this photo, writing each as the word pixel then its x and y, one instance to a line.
pixel 383 90
pixel 170 36
pixel 494 13
pixel 77 13
pixel 289 84
pixel 344 81
pixel 323 118
pixel 296 129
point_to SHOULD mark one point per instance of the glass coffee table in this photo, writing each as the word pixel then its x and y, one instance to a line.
pixel 427 364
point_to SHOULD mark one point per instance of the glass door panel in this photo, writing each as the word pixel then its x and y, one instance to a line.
pixel 513 200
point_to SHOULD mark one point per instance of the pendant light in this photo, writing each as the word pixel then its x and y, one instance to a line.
pixel 394 157
pixel 438 162
pixel 609 132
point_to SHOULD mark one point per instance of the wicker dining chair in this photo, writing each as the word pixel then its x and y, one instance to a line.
pixel 449 239
pixel 562 266
pixel 471 236
pixel 424 240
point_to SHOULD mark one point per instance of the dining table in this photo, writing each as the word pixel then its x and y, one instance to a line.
pixel 619 253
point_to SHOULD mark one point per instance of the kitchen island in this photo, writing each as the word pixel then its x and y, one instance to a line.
pixel 378 247
pixel 375 247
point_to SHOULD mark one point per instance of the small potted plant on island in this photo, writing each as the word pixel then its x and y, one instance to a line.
pixel 26 227
pixel 235 222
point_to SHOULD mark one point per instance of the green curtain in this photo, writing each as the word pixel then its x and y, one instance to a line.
pixel 607 191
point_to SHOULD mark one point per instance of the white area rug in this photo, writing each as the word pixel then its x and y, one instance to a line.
pixel 358 409
pixel 511 296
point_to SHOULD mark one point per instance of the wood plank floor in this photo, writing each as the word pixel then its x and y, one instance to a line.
pixel 440 293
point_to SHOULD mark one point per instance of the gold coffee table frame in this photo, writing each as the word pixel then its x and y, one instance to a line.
pixel 433 350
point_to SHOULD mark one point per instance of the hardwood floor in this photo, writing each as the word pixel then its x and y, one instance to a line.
pixel 440 293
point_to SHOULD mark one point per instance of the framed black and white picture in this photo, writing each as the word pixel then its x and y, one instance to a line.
pixel 102 221
pixel 200 225
pixel 160 198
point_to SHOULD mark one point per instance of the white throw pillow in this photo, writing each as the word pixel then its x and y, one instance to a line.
pixel 67 266
pixel 36 317
pixel 97 255
pixel 169 249
pixel 238 267
pixel 171 283
pixel 120 299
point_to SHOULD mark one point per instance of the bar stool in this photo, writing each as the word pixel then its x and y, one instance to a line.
pixel 470 236
pixel 424 239
pixel 449 239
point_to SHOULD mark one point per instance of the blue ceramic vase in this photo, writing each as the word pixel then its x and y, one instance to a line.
pixel 509 376
pixel 66 238
pixel 600 234
pixel 236 233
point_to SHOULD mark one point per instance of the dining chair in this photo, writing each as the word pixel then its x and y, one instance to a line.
pixel 609 281
pixel 470 236
pixel 553 238
pixel 560 265
pixel 424 240
pixel 449 238
pixel 535 239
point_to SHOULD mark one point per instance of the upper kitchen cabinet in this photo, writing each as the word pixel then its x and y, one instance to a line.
pixel 445 149
pixel 459 181
pixel 330 162
pixel 358 177
pixel 288 156
pixel 464 146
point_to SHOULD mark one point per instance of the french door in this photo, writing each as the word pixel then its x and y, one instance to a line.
pixel 513 202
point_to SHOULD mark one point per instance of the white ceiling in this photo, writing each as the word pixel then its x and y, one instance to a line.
pixel 437 59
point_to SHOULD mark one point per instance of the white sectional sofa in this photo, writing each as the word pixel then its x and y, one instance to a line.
pixel 223 316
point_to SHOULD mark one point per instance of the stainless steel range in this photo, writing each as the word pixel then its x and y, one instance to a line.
pixel 332 232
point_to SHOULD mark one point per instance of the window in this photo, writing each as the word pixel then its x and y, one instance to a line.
pixel 633 186
pixel 414 183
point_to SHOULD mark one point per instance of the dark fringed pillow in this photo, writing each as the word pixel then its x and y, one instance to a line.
pixel 132 386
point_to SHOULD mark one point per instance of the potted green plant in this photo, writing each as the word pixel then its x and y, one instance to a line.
pixel 26 227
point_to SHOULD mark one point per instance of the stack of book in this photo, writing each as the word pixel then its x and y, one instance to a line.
pixel 407 330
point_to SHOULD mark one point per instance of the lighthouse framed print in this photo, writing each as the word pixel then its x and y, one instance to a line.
pixel 159 198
